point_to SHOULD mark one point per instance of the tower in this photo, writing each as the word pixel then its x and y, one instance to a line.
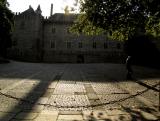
pixel 51 13
pixel 39 11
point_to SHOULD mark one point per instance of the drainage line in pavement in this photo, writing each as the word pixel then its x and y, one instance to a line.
pixel 85 106
pixel 147 86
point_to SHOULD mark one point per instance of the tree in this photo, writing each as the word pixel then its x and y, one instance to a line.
pixel 120 17
pixel 124 20
pixel 6 23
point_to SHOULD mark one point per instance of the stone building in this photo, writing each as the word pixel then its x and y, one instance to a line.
pixel 39 39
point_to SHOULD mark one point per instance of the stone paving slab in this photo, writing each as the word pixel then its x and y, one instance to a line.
pixel 69 100
pixel 107 88
pixel 68 88
pixel 48 92
pixel 70 112
pixel 6 116
pixel 53 85
pixel 27 86
pixel 7 104
pixel 47 115
pixel 70 117
pixel 5 82
pixel 26 116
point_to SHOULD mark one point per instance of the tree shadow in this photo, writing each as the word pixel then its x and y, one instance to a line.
pixel 29 102
pixel 138 114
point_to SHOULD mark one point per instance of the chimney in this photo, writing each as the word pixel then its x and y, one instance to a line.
pixel 51 10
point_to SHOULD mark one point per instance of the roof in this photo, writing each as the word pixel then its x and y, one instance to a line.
pixel 29 11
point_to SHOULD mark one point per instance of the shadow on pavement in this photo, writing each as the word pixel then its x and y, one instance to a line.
pixel 28 102
pixel 78 72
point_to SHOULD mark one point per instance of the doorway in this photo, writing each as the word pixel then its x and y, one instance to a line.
pixel 80 59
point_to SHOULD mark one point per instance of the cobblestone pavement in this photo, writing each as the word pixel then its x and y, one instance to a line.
pixel 77 92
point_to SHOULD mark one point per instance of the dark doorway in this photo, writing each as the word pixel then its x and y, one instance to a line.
pixel 80 59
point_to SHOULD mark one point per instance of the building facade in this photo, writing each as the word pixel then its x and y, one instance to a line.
pixel 39 39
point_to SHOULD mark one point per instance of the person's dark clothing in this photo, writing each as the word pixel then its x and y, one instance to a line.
pixel 143 51
pixel 129 68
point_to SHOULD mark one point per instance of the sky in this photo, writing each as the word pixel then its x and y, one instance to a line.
pixel 58 5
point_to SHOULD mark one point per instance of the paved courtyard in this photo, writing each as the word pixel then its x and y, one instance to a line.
pixel 77 92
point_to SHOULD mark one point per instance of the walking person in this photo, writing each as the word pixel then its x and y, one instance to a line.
pixel 129 68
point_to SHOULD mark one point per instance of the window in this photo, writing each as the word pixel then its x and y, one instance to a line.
pixel 80 45
pixel 105 45
pixel 52 44
pixel 68 44
pixel 94 45
pixel 14 42
pixel 22 25
pixel 118 46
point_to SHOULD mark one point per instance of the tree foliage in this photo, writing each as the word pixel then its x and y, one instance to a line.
pixel 83 25
pixel 6 23
pixel 120 17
